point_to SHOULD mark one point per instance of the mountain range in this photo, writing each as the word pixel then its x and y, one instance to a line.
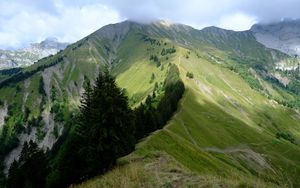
pixel 28 55
pixel 237 124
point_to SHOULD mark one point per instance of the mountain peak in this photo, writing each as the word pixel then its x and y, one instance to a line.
pixel 52 42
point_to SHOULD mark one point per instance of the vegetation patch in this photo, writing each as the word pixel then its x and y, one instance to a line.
pixel 190 75
pixel 155 59
pixel 167 51
pixel 247 76
pixel 286 136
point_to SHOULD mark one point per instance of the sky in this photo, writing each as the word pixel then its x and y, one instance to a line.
pixel 27 21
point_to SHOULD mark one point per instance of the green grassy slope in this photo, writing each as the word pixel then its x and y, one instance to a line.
pixel 222 135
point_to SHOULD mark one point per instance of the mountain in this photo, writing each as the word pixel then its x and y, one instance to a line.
pixel 28 55
pixel 237 124
pixel 283 35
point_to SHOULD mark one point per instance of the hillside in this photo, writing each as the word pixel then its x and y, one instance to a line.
pixel 233 120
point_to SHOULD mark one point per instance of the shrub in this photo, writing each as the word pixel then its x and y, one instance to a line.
pixel 286 136
pixel 168 51
pixel 41 87
pixel 190 75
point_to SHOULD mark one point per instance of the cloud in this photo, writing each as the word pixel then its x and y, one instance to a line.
pixel 21 24
pixel 271 10
pixel 237 22
pixel 25 21
pixel 78 22
pixel 228 13
pixel 189 11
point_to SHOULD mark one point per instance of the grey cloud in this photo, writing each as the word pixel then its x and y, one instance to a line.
pixel 205 11
pixel 272 10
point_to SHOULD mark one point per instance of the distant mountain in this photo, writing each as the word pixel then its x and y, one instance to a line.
pixel 283 35
pixel 28 55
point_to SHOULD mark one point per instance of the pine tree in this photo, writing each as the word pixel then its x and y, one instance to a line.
pixel 139 121
pixel 85 108
pixel 110 132
pixel 30 170
pixel 105 128
pixel 104 131
pixel 41 87
pixel 14 177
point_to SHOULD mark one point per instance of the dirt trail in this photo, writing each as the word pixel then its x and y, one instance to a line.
pixel 245 98
pixel 189 134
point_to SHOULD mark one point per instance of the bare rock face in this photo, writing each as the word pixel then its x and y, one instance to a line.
pixel 3 114
pixel 283 36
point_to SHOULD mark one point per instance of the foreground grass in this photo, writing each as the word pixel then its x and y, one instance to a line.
pixel 159 169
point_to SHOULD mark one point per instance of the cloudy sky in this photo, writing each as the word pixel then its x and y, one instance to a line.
pixel 26 21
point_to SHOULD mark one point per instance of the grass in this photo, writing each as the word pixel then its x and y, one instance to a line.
pixel 135 72
pixel 136 79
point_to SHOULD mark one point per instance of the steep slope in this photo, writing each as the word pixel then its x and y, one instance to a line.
pixel 223 134
pixel 28 55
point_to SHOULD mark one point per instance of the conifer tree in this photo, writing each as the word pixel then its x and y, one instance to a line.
pixel 109 124
pixel 104 131
pixel 30 170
